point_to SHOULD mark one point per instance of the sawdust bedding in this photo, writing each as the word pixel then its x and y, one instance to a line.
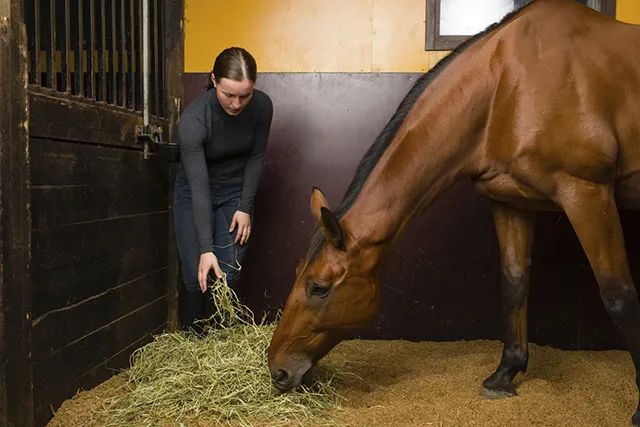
pixel 401 383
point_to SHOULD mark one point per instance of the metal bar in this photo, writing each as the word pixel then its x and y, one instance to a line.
pixel 156 74
pixel 131 55
pixel 91 71
pixel 113 97
pixel 161 53
pixel 139 67
pixel 122 93
pixel 64 51
pixel 32 21
pixel 102 81
pixel 145 62
pixel 79 73
pixel 51 69
pixel 35 45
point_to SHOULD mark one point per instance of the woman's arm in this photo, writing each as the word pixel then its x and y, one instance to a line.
pixel 255 159
pixel 192 134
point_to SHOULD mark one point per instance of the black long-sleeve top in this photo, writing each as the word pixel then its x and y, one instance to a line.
pixel 216 148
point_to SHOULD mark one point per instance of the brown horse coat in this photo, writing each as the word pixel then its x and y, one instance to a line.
pixel 541 111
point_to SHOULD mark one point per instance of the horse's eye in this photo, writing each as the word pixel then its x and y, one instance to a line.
pixel 319 290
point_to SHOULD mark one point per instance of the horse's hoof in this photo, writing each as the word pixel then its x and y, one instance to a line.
pixel 495 394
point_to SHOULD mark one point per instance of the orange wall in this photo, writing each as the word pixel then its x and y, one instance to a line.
pixel 628 11
pixel 310 35
pixel 320 36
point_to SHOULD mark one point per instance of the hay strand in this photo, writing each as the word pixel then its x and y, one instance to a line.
pixel 220 378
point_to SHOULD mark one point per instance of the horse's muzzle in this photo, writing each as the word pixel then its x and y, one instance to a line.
pixel 285 379
pixel 282 379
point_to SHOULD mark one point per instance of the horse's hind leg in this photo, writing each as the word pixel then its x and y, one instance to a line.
pixel 515 234
pixel 594 216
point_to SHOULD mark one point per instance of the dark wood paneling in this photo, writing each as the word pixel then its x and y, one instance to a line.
pixel 59 246
pixel 70 118
pixel 73 283
pixel 100 237
pixel 58 328
pixel 174 45
pixel 53 206
pixel 56 377
pixel 115 363
pixel 60 163
pixel 16 380
pixel 441 281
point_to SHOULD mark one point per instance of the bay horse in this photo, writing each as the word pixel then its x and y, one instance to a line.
pixel 541 111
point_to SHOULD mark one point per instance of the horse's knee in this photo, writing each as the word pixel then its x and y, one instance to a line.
pixel 515 285
pixel 619 300
pixel 514 272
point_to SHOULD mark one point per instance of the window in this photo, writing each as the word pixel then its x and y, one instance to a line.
pixel 451 22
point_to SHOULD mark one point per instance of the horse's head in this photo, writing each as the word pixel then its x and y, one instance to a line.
pixel 334 294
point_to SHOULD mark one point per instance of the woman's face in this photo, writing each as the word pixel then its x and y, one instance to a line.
pixel 233 95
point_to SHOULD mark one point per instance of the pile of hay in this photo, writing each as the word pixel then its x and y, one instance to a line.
pixel 219 378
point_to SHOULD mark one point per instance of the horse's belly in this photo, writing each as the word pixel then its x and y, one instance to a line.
pixel 504 188
pixel 628 191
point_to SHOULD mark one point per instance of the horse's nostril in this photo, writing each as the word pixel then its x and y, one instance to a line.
pixel 281 376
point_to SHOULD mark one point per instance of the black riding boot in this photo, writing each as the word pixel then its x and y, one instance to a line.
pixel 191 309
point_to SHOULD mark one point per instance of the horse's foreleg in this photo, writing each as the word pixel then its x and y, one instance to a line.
pixel 515 234
pixel 594 216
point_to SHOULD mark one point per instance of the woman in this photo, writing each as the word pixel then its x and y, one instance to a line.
pixel 222 137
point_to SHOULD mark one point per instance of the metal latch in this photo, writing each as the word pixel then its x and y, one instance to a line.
pixel 152 138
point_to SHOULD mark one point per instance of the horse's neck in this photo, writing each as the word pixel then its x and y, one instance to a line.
pixel 433 148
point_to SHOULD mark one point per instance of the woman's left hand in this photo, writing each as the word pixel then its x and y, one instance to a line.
pixel 241 221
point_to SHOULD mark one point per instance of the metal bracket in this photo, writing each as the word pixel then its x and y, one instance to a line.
pixel 152 138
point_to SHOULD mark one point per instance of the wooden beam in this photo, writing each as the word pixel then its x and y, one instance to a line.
pixel 16 371
pixel 173 43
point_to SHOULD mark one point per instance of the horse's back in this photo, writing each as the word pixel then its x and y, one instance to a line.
pixel 568 88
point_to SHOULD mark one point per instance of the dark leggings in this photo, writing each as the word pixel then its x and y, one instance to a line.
pixel 224 203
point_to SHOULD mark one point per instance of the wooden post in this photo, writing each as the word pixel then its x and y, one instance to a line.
pixel 173 69
pixel 16 382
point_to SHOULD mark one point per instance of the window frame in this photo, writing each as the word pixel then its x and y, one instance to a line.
pixel 435 41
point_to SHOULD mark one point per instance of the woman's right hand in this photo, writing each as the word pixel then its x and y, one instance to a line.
pixel 207 261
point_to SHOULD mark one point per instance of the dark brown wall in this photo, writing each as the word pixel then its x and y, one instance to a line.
pixel 442 279
pixel 16 399
pixel 99 234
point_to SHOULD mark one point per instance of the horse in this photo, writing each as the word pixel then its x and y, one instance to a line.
pixel 542 112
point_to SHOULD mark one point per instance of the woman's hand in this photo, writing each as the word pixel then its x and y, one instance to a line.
pixel 207 261
pixel 243 222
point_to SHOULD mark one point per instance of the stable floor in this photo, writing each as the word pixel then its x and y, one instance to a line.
pixel 401 383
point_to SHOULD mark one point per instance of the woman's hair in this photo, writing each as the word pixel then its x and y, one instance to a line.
pixel 233 63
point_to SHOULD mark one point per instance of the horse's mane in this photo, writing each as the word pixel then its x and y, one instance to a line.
pixel 375 151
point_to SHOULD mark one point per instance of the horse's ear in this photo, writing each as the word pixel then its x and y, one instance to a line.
pixel 326 218
pixel 331 227
pixel 318 201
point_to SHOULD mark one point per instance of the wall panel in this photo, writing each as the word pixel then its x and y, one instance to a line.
pixel 328 36
pixel 442 279
pixel 99 248
pixel 628 11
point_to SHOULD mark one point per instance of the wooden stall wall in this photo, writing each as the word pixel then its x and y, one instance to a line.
pixel 16 397
pixel 336 71
pixel 87 253
pixel 99 245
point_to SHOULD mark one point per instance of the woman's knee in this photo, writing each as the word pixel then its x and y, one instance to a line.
pixel 232 276
pixel 192 285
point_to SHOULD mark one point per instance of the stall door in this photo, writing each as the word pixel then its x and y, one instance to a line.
pixel 101 264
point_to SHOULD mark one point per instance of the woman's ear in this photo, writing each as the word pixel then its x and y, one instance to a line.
pixel 213 79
